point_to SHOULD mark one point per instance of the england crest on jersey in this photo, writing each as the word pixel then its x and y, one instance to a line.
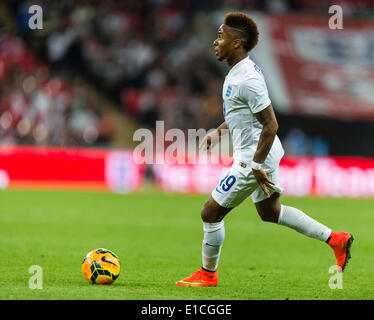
pixel 228 91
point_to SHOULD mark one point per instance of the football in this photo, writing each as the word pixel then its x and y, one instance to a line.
pixel 101 266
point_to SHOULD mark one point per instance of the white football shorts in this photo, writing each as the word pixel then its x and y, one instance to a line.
pixel 239 183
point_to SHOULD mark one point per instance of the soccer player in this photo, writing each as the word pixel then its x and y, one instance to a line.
pixel 257 151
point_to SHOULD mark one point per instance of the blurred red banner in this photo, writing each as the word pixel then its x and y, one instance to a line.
pixel 68 168
pixel 115 170
pixel 300 176
pixel 322 71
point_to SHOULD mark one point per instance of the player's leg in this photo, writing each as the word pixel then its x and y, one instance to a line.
pixel 212 216
pixel 232 189
pixel 272 211
pixel 269 209
pixel 214 233
pixel 212 212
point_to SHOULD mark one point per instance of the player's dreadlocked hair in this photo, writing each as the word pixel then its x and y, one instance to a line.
pixel 245 25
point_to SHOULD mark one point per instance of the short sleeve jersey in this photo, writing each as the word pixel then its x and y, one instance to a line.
pixel 244 94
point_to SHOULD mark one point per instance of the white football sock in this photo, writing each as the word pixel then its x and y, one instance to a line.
pixel 214 234
pixel 299 221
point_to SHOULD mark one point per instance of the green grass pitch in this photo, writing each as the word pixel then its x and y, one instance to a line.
pixel 158 240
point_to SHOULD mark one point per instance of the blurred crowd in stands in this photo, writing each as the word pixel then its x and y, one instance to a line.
pixel 151 57
pixel 39 108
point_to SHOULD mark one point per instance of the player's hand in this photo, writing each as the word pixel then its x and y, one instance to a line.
pixel 209 141
pixel 263 181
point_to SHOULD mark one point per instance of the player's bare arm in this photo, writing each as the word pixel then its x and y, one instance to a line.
pixel 211 139
pixel 269 130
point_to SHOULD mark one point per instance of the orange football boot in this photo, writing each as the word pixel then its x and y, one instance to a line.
pixel 341 243
pixel 200 278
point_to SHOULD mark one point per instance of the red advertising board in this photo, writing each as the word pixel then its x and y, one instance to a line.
pixel 68 168
pixel 300 176
pixel 328 176
pixel 116 171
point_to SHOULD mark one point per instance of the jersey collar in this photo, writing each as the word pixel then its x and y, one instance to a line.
pixel 237 66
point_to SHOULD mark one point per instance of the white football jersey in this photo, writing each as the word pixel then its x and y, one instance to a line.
pixel 244 94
